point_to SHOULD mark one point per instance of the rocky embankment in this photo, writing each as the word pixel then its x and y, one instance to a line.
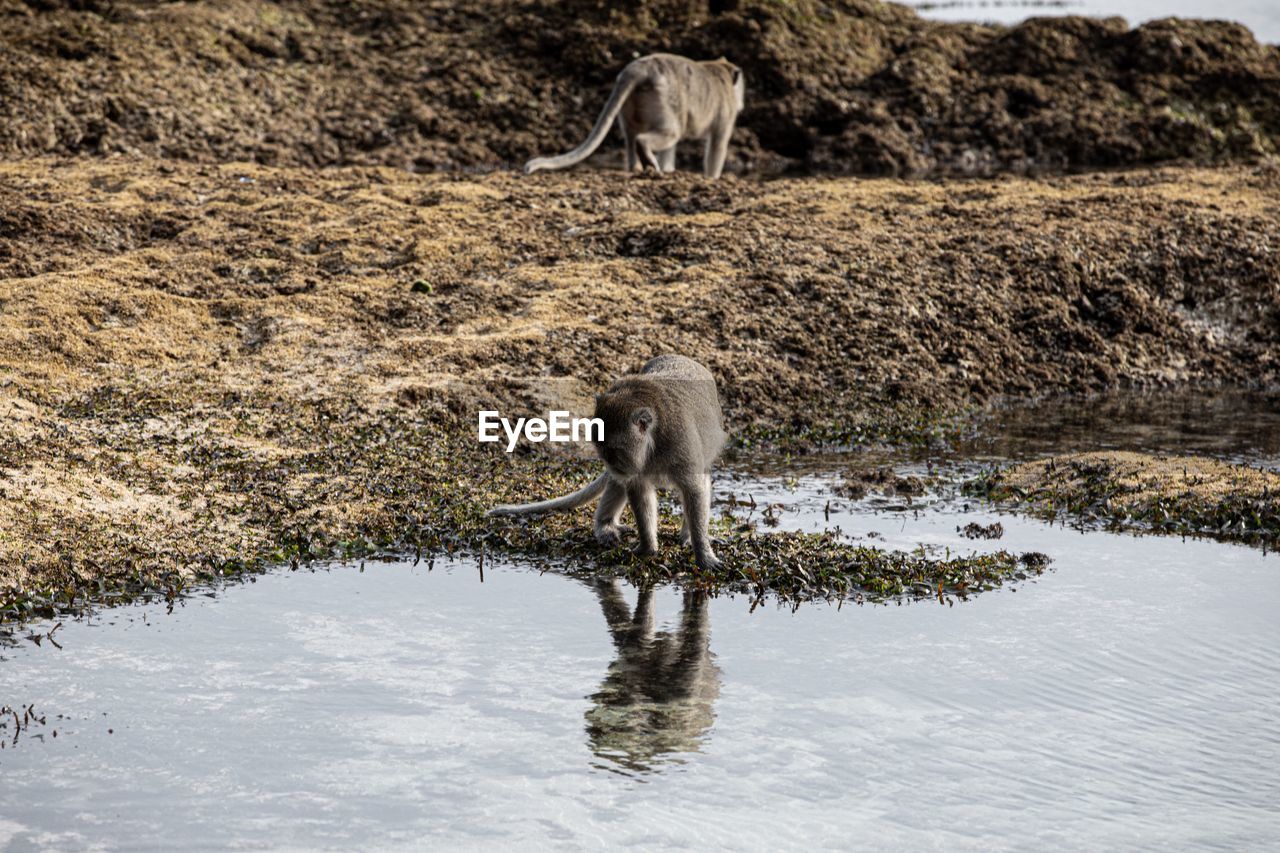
pixel 846 86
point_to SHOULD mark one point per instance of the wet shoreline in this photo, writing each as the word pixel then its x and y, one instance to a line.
pixel 1125 692
pixel 214 369
pixel 770 561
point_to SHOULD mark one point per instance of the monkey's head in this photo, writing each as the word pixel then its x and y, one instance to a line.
pixel 739 84
pixel 629 425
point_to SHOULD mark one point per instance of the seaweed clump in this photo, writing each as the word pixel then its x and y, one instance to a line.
pixel 348 486
pixel 1184 495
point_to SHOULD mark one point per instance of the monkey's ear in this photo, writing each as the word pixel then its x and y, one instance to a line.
pixel 642 418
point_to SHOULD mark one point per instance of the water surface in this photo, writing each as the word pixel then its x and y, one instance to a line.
pixel 1261 16
pixel 1125 699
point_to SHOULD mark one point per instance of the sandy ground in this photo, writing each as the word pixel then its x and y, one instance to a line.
pixel 211 365
pixel 1142 477
pixel 1182 494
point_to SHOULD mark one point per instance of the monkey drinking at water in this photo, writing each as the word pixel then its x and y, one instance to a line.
pixel 662 429
pixel 659 100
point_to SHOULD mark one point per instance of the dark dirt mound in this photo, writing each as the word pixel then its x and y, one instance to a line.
pixel 858 87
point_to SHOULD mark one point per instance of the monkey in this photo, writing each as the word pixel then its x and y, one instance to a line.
pixel 659 100
pixel 662 428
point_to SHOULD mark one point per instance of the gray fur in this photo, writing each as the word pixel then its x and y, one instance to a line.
pixel 587 493
pixel 662 429
pixel 659 100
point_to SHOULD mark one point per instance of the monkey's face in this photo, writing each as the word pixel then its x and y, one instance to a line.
pixel 628 435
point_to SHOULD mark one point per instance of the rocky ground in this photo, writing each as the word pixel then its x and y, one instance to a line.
pixel 845 86
pixel 215 354
pixel 204 367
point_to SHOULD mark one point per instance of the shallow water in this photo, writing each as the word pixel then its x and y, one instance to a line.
pixel 1233 425
pixel 1238 426
pixel 1127 698
pixel 1261 16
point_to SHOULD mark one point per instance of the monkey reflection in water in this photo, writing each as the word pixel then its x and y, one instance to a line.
pixel 658 694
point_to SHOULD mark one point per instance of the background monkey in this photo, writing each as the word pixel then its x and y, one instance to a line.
pixel 662 428
pixel 659 100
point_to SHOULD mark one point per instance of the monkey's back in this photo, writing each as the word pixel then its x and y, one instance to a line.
pixel 676 367
pixel 697 92
pixel 691 390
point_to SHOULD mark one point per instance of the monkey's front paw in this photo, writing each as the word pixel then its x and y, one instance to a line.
pixel 711 563
pixel 643 550
pixel 612 535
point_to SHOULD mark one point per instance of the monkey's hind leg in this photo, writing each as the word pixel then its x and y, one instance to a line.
pixel 608 511
pixel 628 146
pixel 644 506
pixel 655 140
pixel 696 497
pixel 645 156
pixel 686 538
pixel 716 151
pixel 667 159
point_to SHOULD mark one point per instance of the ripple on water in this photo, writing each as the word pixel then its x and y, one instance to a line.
pixel 1124 699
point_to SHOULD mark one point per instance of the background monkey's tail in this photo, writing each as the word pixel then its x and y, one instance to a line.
pixel 627 80
pixel 588 492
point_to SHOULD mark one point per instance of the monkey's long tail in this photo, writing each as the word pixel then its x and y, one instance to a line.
pixel 627 81
pixel 587 493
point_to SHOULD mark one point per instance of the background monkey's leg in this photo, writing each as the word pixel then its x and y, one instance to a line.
pixel 655 140
pixel 717 150
pixel 647 160
pixel 667 159
pixel 628 145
